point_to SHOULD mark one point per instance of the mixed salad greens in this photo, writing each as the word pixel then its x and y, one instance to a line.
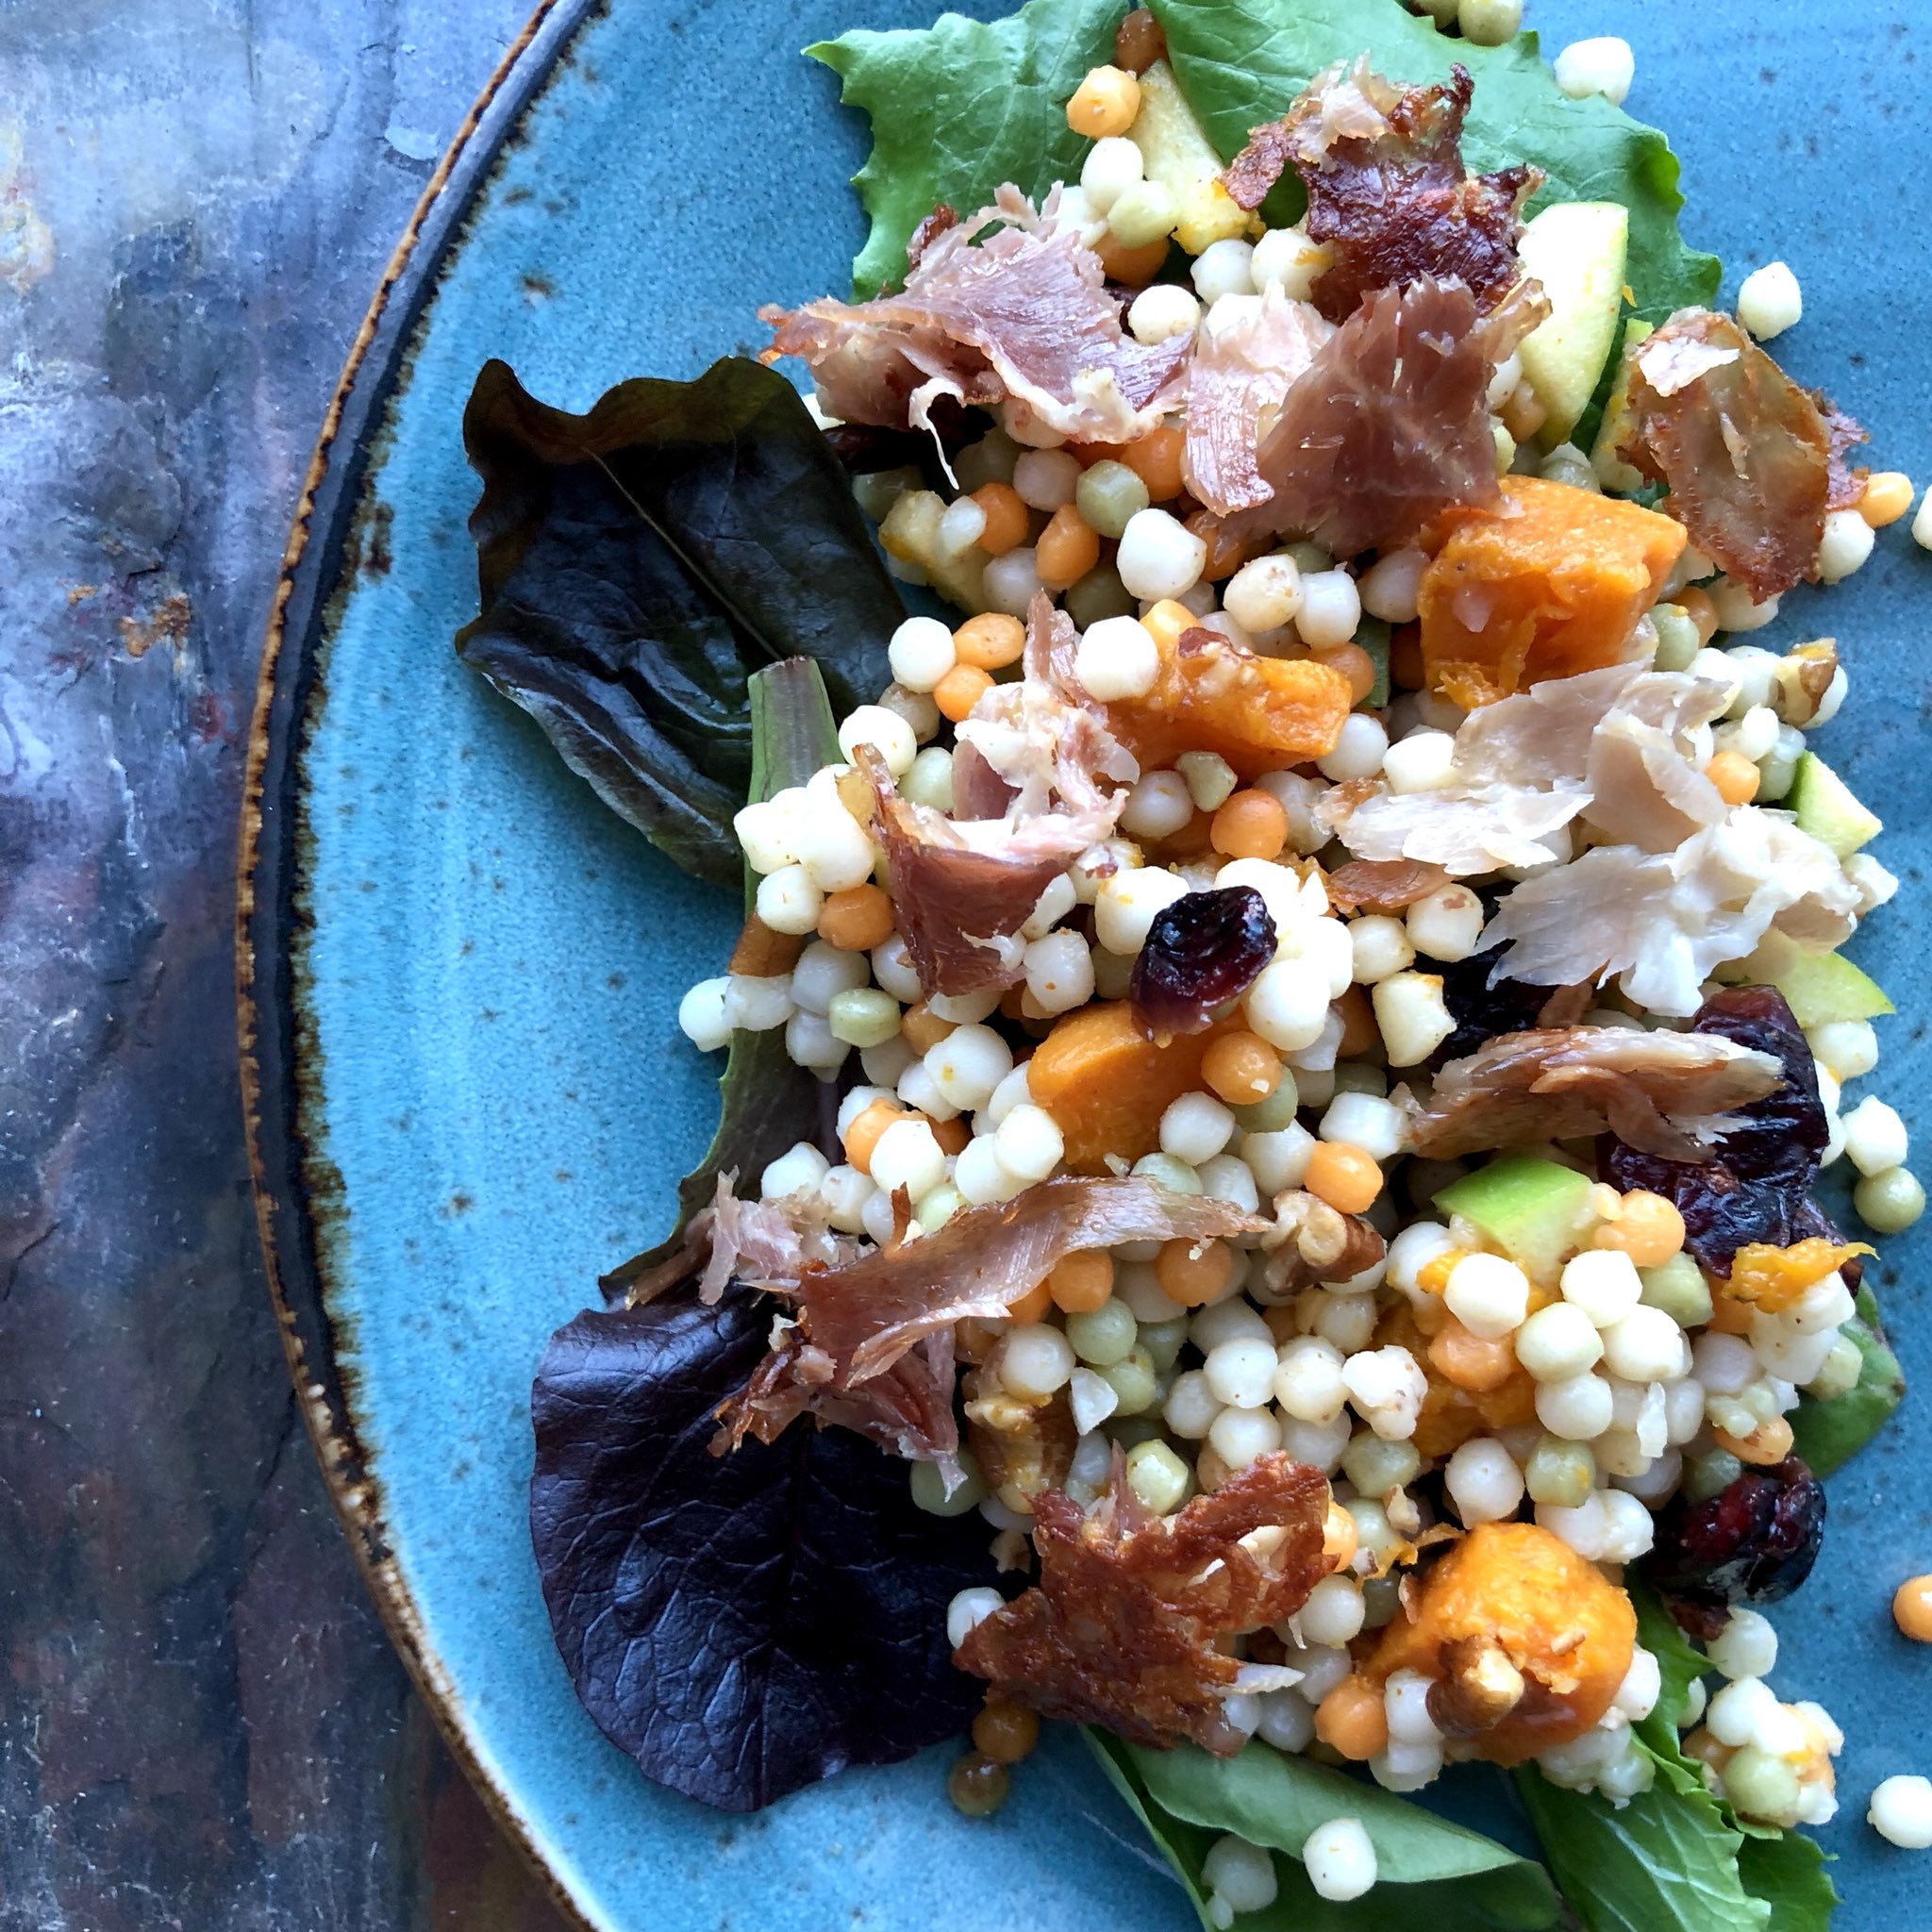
pixel 681 590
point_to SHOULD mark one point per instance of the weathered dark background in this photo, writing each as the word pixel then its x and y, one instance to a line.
pixel 201 1722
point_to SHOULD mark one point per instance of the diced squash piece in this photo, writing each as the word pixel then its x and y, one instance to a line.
pixel 1550 584
pixel 1176 154
pixel 1576 250
pixel 1771 1279
pixel 1107 1084
pixel 1258 713
pixel 1612 471
pixel 1509 1603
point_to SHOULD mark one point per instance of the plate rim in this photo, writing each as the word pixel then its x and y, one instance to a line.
pixel 293 1184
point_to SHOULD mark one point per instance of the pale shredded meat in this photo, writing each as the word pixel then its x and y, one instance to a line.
pixel 1243 367
pixel 1390 424
pixel 1664 1093
pixel 1382 885
pixel 1387 192
pixel 771 1243
pixel 1752 461
pixel 867 1313
pixel 1128 1622
pixel 1026 314
pixel 1665 922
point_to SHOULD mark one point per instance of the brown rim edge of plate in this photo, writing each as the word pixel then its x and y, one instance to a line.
pixel 267 870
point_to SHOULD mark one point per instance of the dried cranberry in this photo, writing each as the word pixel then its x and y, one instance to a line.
pixel 1753 1542
pixel 1482 1009
pixel 1756 1186
pixel 1202 951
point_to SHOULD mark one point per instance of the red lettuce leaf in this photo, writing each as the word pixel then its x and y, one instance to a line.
pixel 740 1625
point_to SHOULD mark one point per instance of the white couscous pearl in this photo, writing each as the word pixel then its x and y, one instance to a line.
pixel 1629 1529
pixel 1280 1160
pixel 1239 1435
pixel 1736 611
pixel 1057 899
pixel 1162 311
pixel 1129 902
pixel 1922 523
pixel 1643 1685
pixel 1846 545
pixel 1012 582
pixel 1242 1876
pixel 1581 1527
pixel 1386 1385
pixel 788 901
pixel 1412 1250
pixel 1390 587
pixel 1558 1341
pixel 1195 1129
pixel 756 1003
pixel 1483 1481
pixel 1447 924
pixel 1028 1142
pixel 1380 948
pixel 1228 1177
pixel 1265 593
pixel 798 1170
pixel 1159 557
pixel 1378 1127
pixel 1901 1811
pixel 1602 66
pixel 1224 268
pixel 1287 1003
pixel 1604 1283
pixel 1724 1364
pixel 968 1064
pixel 1769 300
pixel 1191 1407
pixel 1339 1859
pixel 1331 611
pixel 1287 259
pixel 888 733
pixel 1159 807
pixel 1741 1712
pixel 845 1191
pixel 1112 166
pixel 1047 478
pixel 1578 1408
pixel 703 1017
pixel 1413 1016
pixel 921 653
pixel 1240 1371
pixel 892 968
pixel 1359 750
pixel 1846 1049
pixel 823 972
pixel 1232 1320
pixel 1059 971
pixel 1489 1295
pixel 833 847
pixel 1406 1703
pixel 1117 659
pixel 810 1041
pixel 1745 1647
pixel 1334 1614
pixel 1035 1362
pixel 1308 1380
pixel 1423 762
pixel 907 1154
pixel 969 1609
pixel 1646 1347
pixel 1014 1091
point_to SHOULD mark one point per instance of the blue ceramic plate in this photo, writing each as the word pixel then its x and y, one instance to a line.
pixel 460 973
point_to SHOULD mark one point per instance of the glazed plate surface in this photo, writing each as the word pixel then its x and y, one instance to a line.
pixel 460 973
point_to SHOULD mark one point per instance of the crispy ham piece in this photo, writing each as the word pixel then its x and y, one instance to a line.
pixel 1752 461
pixel 1667 1093
pixel 1128 1624
pixel 1390 424
pixel 1024 314
pixel 1386 187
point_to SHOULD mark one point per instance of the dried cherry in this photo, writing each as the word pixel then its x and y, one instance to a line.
pixel 1756 1186
pixel 1202 951
pixel 1753 1542
pixel 1482 1006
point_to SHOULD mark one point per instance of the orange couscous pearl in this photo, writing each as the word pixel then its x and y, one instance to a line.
pixel 1769 1443
pixel 1241 1068
pixel 1166 620
pixel 1696 605
pixel 1353 663
pixel 989 642
pixel 1105 102
pixel 1912 1608
pixel 1470 1362
pixel 1155 458
pixel 1251 824
pixel 1345 1175
pixel 1006 1732
pixel 1082 1281
pixel 959 689
pixel 1034 1305
pixel 924 1029
pixel 1007 522
pixel 1352 1719
pixel 1735 776
pixel 1887 498
pixel 1133 268
pixel 1360 1033
pixel 1066 550
pixel 1193 1272
pixel 1648 1227
pixel 1339 1535
pixel 856 918
pixel 863 1136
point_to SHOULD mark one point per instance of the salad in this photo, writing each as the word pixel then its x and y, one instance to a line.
pixel 1290 1007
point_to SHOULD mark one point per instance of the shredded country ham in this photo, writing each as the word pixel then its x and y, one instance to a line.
pixel 1664 1093
pixel 1382 885
pixel 1023 314
pixel 1387 192
pixel 1752 461
pixel 1129 1623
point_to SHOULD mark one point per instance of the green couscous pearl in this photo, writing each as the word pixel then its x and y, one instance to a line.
pixel 1679 1289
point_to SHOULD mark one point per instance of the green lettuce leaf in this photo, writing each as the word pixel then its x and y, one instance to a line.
pixel 1461 1881
pixel 1827 1434
pixel 638 563
pixel 1240 63
pixel 1787 1871
pixel 766 1102
pixel 961 107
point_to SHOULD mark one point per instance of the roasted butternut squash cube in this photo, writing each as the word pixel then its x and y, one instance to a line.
pixel 1548 585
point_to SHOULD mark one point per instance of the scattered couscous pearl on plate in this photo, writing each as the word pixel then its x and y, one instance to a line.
pixel 1912 1608
pixel 1901 1811
pixel 1601 66
pixel 1770 301
pixel 1339 1859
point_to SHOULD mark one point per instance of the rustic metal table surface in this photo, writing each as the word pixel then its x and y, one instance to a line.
pixel 201 1723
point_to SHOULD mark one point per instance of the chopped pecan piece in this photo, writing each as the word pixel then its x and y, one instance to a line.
pixel 1311 1242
